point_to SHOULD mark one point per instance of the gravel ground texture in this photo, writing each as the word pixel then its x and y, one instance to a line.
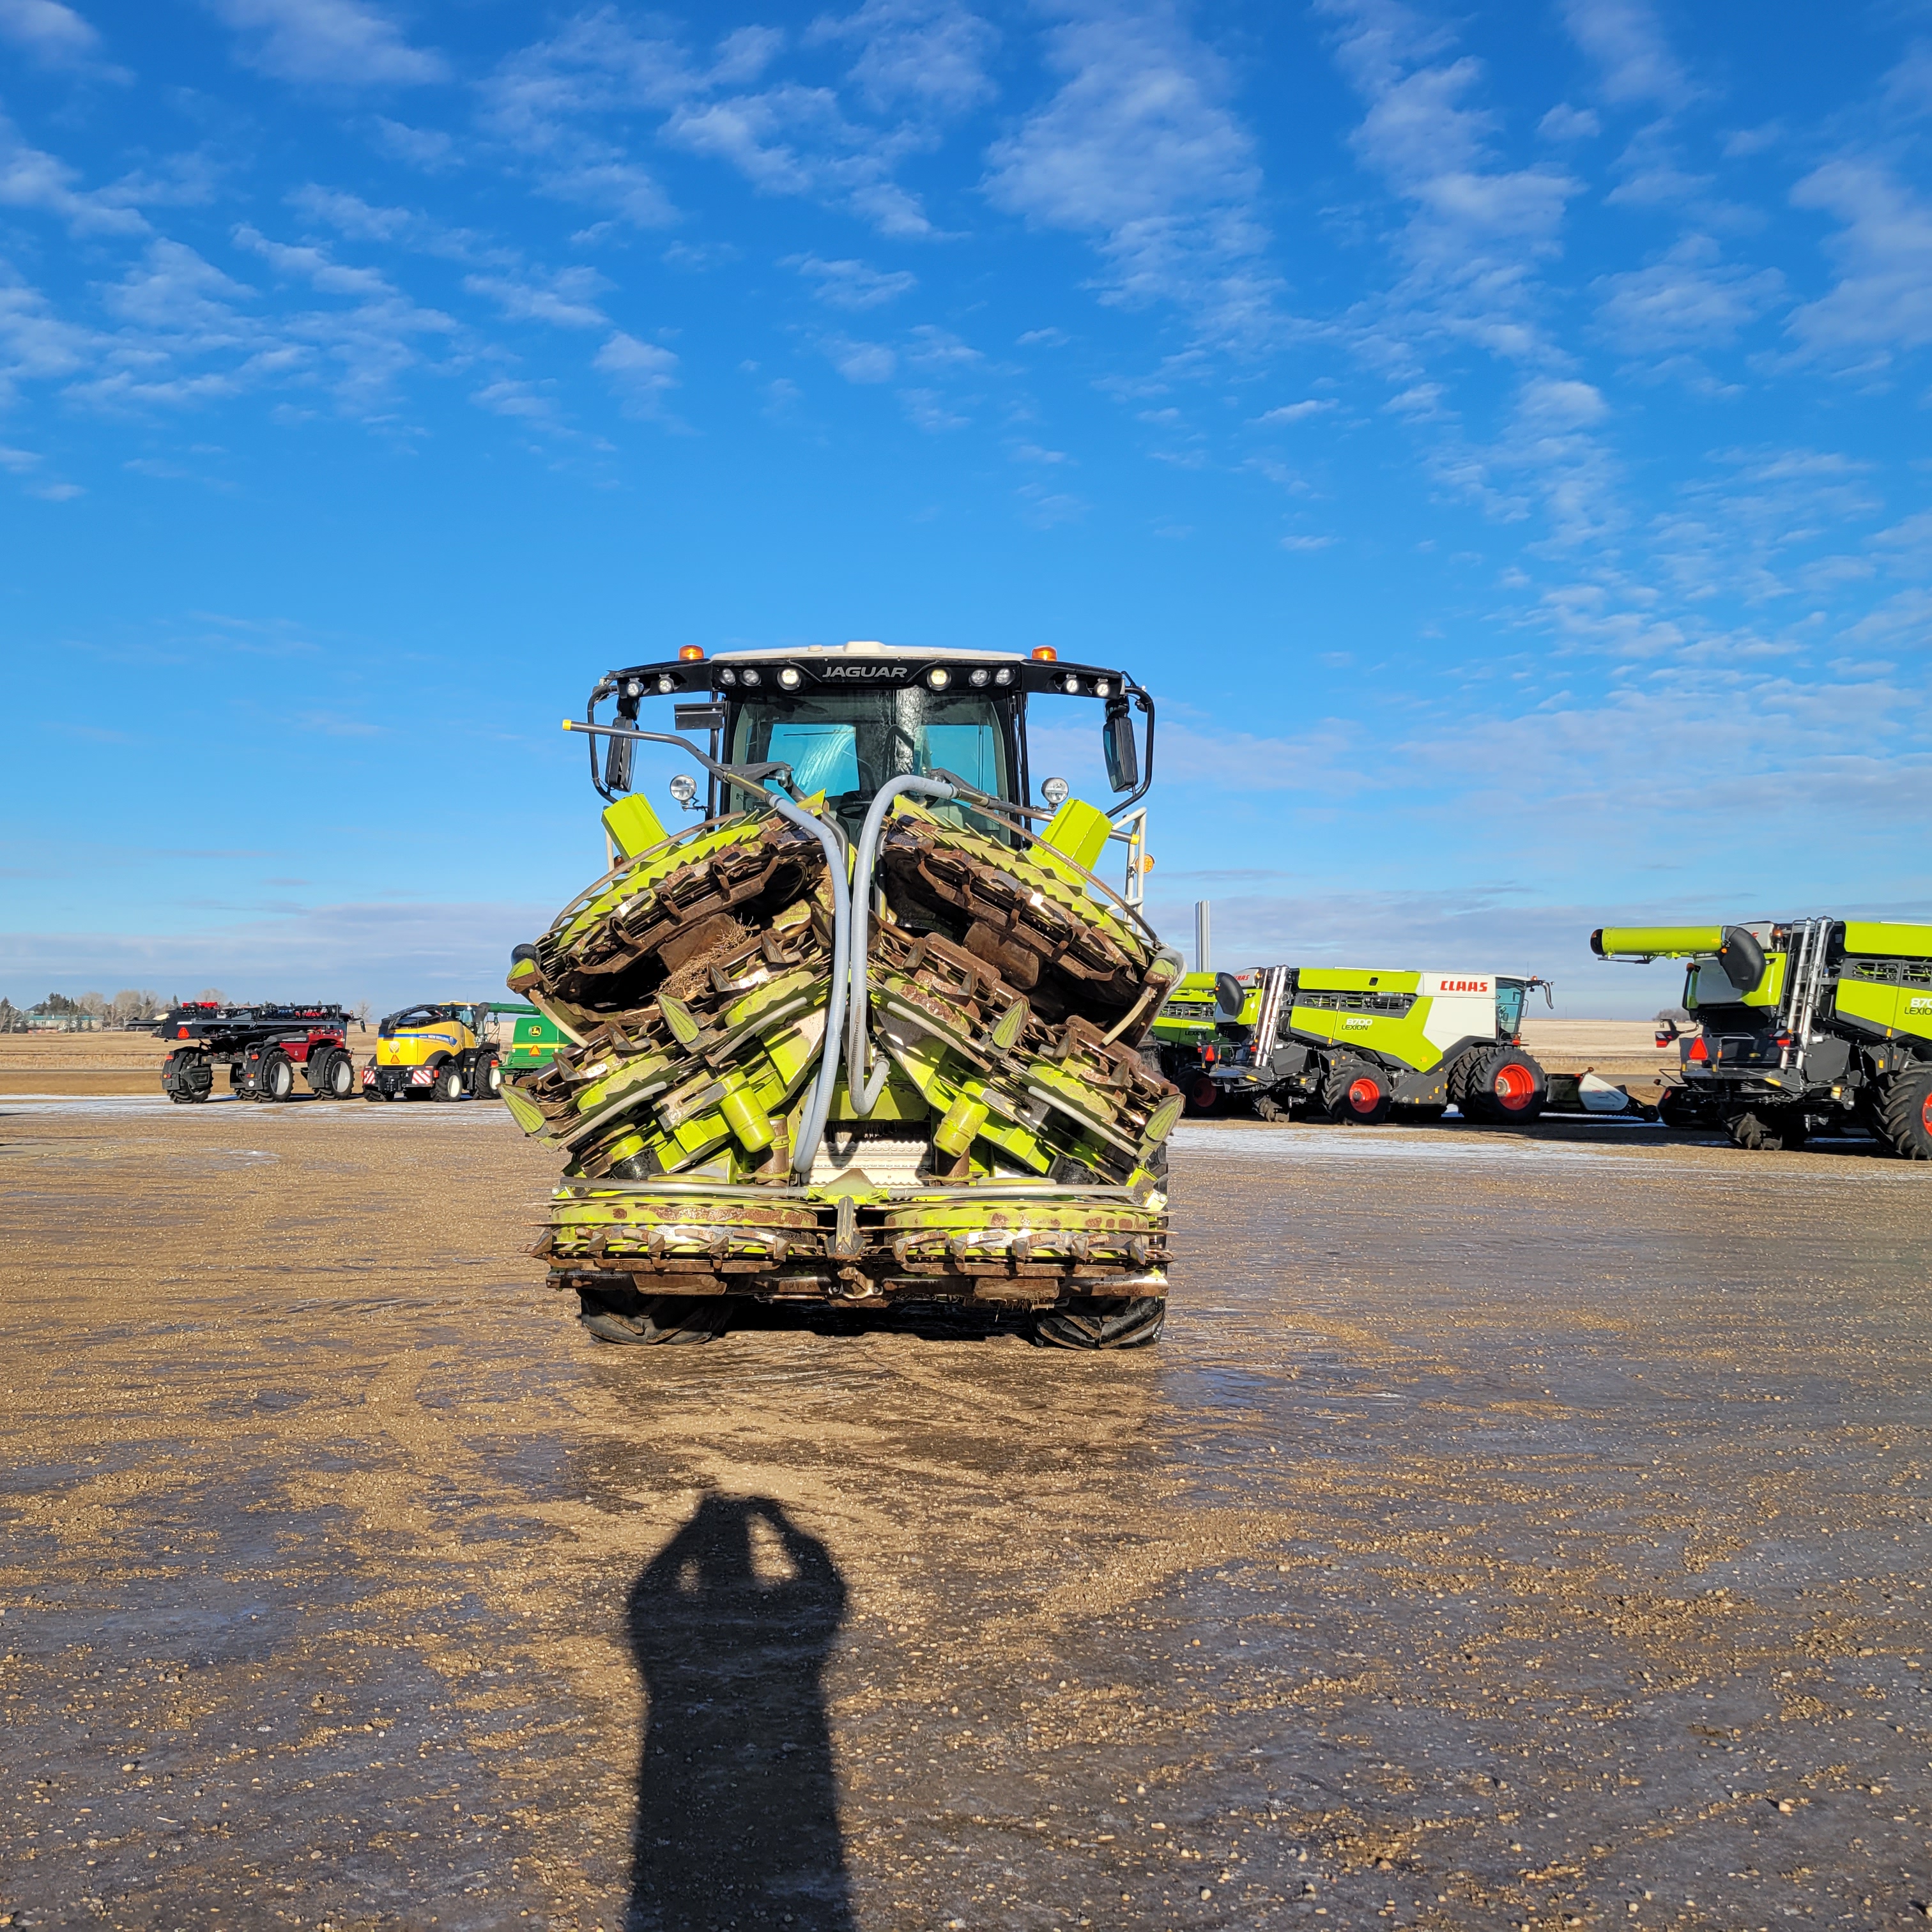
pixel 1511 1529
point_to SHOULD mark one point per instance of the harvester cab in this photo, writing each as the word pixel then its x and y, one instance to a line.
pixel 1798 1024
pixel 870 1030
pixel 445 1050
pixel 1357 1045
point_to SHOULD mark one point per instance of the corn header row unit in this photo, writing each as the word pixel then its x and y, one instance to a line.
pixel 872 1030
pixel 1800 1025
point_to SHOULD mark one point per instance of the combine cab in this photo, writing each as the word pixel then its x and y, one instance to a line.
pixel 1356 1045
pixel 1800 1023
pixel 263 1047
pixel 868 1033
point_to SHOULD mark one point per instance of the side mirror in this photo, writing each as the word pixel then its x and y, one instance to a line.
pixel 1123 750
pixel 617 763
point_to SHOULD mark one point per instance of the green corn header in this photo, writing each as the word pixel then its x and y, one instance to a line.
pixel 1800 1023
pixel 1359 1045
pixel 871 1031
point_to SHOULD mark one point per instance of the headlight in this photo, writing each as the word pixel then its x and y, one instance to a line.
pixel 751 675
pixel 1054 792
pixel 978 678
pixel 728 675
pixel 1004 675
pixel 1070 685
pixel 789 679
pixel 667 684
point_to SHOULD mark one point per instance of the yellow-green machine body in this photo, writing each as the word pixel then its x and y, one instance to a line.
pixel 1799 1026
pixel 871 1032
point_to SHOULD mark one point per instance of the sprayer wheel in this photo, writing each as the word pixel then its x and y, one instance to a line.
pixel 1103 1324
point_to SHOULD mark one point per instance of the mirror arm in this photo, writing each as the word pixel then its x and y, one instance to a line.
pixel 1146 703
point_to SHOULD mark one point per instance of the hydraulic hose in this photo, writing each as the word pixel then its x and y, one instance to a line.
pixel 812 1126
pixel 863 1087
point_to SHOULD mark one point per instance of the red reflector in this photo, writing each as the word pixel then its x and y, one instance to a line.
pixel 1663 1039
pixel 1209 1056
pixel 180 1032
pixel 1699 1050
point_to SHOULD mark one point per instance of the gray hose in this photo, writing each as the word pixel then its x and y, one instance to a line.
pixel 811 1128
pixel 864 1090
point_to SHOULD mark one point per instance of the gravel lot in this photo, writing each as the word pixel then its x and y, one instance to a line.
pixel 1510 1530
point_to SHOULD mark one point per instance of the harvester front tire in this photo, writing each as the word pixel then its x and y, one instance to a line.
pixel 1679 1111
pixel 275 1078
pixel 1103 1324
pixel 623 1314
pixel 1502 1087
pixel 1356 1094
pixel 1905 1115
pixel 486 1080
pixel 1767 1129
pixel 448 1085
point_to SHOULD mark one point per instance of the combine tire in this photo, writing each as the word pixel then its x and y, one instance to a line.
pixel 486 1079
pixel 1678 1110
pixel 1905 1115
pixel 1767 1129
pixel 1267 1109
pixel 334 1077
pixel 275 1077
pixel 1103 1324
pixel 1357 1093
pixel 623 1314
pixel 448 1085
pixel 186 1078
pixel 1500 1087
pixel 1203 1094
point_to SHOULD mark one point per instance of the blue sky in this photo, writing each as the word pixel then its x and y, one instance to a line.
pixel 1498 437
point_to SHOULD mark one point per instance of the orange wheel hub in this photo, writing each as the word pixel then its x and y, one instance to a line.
pixel 1364 1095
pixel 1515 1085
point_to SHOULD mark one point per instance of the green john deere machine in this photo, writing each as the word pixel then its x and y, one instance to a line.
pixel 1357 1045
pixel 869 1033
pixel 1800 1025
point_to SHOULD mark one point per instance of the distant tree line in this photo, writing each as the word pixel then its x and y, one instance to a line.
pixel 127 1005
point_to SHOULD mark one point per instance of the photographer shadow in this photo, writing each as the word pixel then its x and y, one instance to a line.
pixel 737 1805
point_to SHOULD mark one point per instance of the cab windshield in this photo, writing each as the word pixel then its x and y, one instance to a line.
pixel 848 743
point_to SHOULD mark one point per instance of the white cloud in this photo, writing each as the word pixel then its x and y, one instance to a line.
pixel 1688 299
pixel 349 215
pixel 566 302
pixel 927 410
pixel 642 374
pixel 1290 412
pixel 55 35
pixel 1882 300
pixel 930 55
pixel 1623 38
pixel 1306 543
pixel 851 284
pixel 31 178
pixel 860 361
pixel 1565 123
pixel 1140 151
pixel 328 43
pixel 428 148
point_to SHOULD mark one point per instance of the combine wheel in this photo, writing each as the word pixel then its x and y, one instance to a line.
pixel 1501 1088
pixel 186 1078
pixel 1103 1324
pixel 1905 1114
pixel 1679 1110
pixel 448 1085
pixel 1767 1129
pixel 275 1078
pixel 1203 1094
pixel 486 1079
pixel 1268 1109
pixel 1357 1092
pixel 623 1314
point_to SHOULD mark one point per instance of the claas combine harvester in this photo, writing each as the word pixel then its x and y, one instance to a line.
pixel 871 1032
pixel 1798 1023
pixel 1356 1044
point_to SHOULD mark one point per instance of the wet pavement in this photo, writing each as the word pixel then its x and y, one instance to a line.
pixel 1510 1530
